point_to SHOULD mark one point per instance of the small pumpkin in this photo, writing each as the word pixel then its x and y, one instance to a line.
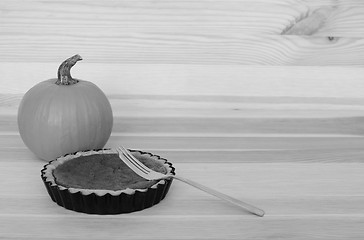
pixel 64 115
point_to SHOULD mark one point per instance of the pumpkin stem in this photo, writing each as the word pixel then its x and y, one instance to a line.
pixel 64 74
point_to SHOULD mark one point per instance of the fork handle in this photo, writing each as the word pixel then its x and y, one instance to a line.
pixel 234 201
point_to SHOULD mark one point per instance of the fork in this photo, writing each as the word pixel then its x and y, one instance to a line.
pixel 149 174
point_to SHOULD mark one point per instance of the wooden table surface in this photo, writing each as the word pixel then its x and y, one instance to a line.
pixel 262 100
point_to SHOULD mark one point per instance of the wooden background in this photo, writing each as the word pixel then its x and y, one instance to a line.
pixel 263 100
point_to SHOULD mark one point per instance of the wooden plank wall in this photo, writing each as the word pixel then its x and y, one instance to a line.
pixel 195 59
pixel 278 82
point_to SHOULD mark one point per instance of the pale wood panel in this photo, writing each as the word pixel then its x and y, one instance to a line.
pixel 196 80
pixel 201 127
pixel 326 202
pixel 190 227
pixel 198 204
pixel 256 156
pixel 262 100
pixel 216 50
pixel 254 182
pixel 202 144
pixel 115 18
pixel 181 32
pixel 230 150
pixel 193 106
pixel 214 106
pixel 112 20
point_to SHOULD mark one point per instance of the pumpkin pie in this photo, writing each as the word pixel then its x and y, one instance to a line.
pixel 99 182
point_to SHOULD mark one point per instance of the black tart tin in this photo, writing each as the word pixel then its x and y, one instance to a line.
pixel 109 203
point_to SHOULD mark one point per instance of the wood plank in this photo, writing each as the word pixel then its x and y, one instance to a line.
pixel 216 126
pixel 199 204
pixel 241 126
pixel 206 16
pixel 243 50
pixel 209 107
pixel 189 227
pixel 207 32
pixel 171 206
pixel 261 100
pixel 326 202
pixel 197 80
pixel 242 180
pixel 213 151
pixel 220 141
pixel 118 19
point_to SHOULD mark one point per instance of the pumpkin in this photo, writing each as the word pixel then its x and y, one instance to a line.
pixel 64 115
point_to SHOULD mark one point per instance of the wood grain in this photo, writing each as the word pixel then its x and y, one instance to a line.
pixel 326 202
pixel 203 32
pixel 193 81
pixel 188 227
pixel 245 50
pixel 262 100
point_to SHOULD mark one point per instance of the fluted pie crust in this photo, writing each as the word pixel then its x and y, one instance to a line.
pixel 98 182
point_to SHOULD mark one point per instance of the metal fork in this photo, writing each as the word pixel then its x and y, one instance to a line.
pixel 149 174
